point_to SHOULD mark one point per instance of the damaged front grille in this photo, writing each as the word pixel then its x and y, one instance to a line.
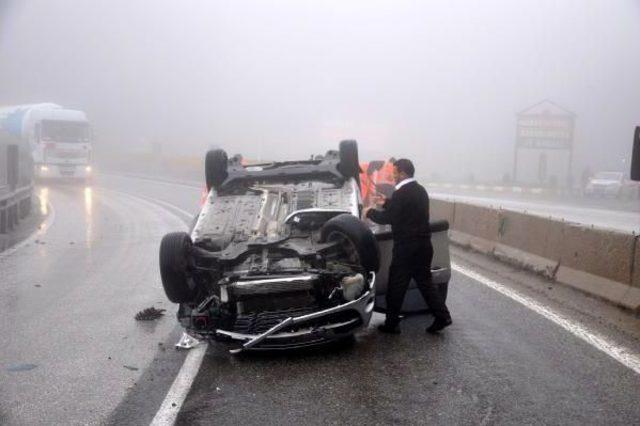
pixel 258 323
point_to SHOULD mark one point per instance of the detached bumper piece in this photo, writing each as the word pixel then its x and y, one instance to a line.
pixel 187 342
pixel 260 338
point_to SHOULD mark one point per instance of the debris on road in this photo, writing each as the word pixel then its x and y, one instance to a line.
pixel 129 367
pixel 149 314
pixel 187 342
pixel 21 367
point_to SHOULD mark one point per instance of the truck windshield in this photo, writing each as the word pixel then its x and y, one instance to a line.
pixel 65 131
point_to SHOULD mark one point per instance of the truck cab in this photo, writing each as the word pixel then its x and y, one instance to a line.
pixel 60 139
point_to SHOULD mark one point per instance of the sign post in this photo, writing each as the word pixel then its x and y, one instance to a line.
pixel 547 129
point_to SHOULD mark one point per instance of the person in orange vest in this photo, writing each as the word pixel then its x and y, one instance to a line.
pixel 383 179
pixel 366 185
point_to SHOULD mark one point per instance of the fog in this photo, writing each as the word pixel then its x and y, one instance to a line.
pixel 439 82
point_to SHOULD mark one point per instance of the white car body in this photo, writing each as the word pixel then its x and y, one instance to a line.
pixel 262 274
pixel 610 184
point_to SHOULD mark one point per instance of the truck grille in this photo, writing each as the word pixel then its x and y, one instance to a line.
pixel 68 154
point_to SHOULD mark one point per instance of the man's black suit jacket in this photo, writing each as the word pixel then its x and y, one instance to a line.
pixel 407 211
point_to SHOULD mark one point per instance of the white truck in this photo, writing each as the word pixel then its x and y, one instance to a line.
pixel 59 138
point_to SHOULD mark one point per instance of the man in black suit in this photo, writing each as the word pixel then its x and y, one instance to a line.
pixel 407 211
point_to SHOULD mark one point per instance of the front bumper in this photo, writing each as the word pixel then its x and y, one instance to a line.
pixel 63 171
pixel 312 329
pixel 602 190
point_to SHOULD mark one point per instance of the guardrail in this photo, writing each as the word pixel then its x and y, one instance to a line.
pixel 601 262
pixel 15 198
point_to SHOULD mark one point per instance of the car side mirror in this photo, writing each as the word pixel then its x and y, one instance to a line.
pixel 635 156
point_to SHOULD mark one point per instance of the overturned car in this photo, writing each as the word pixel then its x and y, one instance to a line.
pixel 279 258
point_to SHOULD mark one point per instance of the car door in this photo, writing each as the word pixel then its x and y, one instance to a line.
pixel 440 267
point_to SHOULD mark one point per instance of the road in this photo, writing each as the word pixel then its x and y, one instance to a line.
pixel 73 353
pixel 71 348
pixel 599 216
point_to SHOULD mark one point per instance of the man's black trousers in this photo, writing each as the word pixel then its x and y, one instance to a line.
pixel 412 259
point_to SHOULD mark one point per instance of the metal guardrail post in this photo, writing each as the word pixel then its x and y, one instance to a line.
pixel 3 221
pixel 14 205
pixel 16 186
pixel 13 166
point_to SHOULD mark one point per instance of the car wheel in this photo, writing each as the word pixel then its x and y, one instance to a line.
pixel 349 165
pixel 174 259
pixel 215 168
pixel 362 241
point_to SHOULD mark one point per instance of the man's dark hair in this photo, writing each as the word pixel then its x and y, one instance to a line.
pixel 406 166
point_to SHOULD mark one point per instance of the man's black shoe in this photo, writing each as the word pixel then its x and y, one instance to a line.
pixel 390 329
pixel 438 324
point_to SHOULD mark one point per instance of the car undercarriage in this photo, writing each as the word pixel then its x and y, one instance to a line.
pixel 277 257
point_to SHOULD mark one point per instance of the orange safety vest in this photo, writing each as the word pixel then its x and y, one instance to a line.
pixel 364 180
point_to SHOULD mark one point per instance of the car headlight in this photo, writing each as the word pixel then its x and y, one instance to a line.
pixel 44 168
pixel 88 169
pixel 352 286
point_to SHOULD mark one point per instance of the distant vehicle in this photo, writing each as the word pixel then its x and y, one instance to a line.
pixel 279 257
pixel 610 184
pixel 635 156
pixel 59 138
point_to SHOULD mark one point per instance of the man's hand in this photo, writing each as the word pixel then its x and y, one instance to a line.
pixel 365 212
pixel 379 199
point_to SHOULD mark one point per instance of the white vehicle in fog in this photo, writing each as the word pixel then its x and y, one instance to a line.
pixel 59 138
pixel 610 184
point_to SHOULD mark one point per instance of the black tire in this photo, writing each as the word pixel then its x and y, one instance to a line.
pixel 363 240
pixel 174 261
pixel 349 165
pixel 215 168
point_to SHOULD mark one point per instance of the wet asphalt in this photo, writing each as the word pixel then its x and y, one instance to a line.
pixel 499 363
pixel 71 349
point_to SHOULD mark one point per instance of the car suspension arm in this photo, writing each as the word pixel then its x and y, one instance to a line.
pixel 287 322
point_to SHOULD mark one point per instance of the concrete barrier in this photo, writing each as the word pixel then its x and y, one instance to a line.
pixel 441 210
pixel 532 242
pixel 599 252
pixel 600 262
pixel 475 227
pixel 635 279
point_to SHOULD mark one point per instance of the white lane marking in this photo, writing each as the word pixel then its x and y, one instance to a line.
pixel 623 355
pixel 172 403
pixel 42 229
